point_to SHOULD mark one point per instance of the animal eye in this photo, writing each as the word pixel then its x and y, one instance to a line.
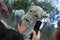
pixel 36 15
pixel 30 10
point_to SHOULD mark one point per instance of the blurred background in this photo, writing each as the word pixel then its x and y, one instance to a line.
pixel 51 7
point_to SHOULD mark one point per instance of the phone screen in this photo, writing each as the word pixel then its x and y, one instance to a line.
pixel 37 26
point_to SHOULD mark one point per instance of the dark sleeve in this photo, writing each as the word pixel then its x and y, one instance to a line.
pixel 13 35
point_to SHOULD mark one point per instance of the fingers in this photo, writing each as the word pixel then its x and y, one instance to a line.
pixel 28 37
pixel 22 27
pixel 35 37
pixel 38 35
pixel 19 29
pixel 34 34
pixel 24 23
pixel 18 25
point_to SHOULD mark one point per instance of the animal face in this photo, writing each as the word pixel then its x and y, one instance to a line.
pixel 35 13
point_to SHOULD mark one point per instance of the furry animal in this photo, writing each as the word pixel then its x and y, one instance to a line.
pixel 33 14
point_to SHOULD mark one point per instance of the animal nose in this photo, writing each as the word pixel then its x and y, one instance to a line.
pixel 36 16
pixel 44 15
pixel 30 10
pixel 26 20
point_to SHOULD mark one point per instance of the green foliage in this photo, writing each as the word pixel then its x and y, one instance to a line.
pixel 23 4
pixel 46 6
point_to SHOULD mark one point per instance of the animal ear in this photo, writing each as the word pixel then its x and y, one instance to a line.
pixel 32 4
pixel 44 15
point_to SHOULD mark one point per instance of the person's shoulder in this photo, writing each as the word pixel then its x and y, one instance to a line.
pixel 55 31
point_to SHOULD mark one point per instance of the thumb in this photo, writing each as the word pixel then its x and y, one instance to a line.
pixel 38 35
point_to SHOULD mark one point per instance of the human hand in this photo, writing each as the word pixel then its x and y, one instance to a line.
pixel 22 27
pixel 35 37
